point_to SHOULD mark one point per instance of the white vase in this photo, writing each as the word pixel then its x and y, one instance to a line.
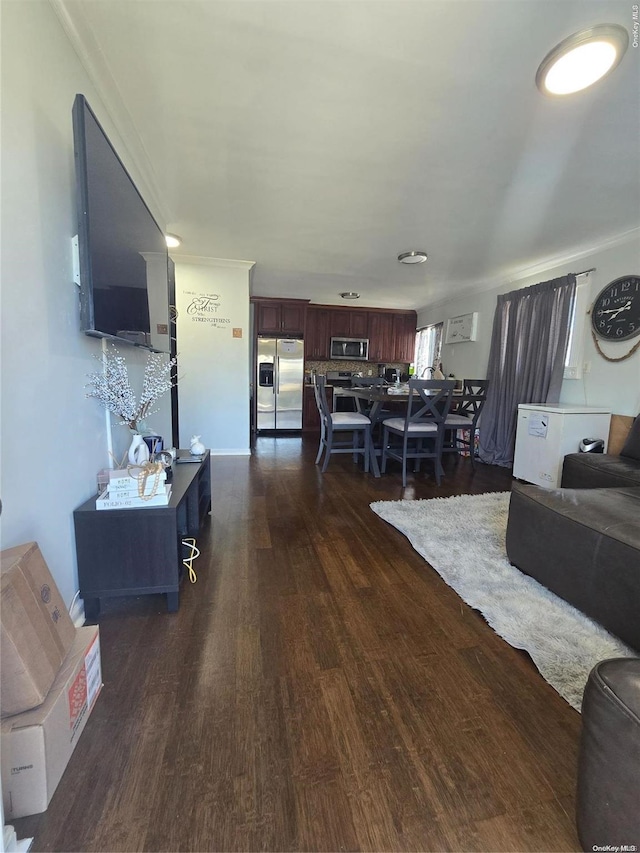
pixel 138 450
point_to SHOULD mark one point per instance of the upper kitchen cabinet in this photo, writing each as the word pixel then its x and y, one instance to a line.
pixel 404 336
pixel 392 336
pixel 317 333
pixel 280 316
pixel 349 324
pixel 380 334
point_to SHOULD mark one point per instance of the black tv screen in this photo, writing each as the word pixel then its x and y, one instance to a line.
pixel 123 257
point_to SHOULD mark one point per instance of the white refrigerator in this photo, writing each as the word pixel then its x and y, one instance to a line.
pixel 279 382
pixel 545 433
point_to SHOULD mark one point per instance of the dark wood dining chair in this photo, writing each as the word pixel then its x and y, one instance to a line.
pixel 422 429
pixel 465 417
pixel 340 422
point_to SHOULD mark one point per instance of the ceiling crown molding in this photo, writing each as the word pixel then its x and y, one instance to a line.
pixel 84 44
pixel 575 254
pixel 539 268
pixel 227 263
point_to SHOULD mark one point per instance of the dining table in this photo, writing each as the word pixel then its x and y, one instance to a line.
pixel 383 402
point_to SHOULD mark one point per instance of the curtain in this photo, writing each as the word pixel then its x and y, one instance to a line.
pixel 526 360
pixel 428 348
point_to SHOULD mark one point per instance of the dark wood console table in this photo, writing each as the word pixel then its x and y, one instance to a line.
pixel 140 551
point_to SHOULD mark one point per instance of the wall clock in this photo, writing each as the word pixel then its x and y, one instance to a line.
pixel 615 315
pixel 616 311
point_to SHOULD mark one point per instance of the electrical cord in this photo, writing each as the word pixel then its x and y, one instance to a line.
pixel 188 561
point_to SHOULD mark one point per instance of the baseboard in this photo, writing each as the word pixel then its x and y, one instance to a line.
pixel 244 452
pixel 77 613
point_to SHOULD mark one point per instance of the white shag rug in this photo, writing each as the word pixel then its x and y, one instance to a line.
pixel 463 539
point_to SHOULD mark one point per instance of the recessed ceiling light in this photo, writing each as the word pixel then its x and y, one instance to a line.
pixel 582 59
pixel 173 241
pixel 416 257
pixel 350 294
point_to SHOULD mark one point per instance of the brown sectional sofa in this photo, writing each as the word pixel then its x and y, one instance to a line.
pixel 582 541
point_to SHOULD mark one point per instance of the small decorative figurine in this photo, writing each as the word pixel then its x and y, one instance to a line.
pixel 197 447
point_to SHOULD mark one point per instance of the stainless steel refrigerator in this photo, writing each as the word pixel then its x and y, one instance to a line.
pixel 279 383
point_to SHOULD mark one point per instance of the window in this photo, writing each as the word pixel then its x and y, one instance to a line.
pixel 428 350
pixel 573 364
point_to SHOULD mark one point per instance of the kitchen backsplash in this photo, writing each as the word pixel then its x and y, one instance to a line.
pixel 367 368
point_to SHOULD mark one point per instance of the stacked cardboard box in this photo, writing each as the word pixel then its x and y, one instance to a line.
pixel 50 678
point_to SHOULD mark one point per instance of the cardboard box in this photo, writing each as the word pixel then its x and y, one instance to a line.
pixel 36 632
pixel 36 746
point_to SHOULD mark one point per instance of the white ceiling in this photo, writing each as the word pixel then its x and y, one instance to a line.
pixel 321 139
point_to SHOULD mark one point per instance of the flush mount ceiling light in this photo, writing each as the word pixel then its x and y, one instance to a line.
pixel 173 241
pixel 582 59
pixel 350 294
pixel 417 257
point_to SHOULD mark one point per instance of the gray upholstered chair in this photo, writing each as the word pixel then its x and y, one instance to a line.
pixel 422 429
pixel 465 417
pixel 340 422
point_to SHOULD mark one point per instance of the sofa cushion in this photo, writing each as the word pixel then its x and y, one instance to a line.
pixel 599 471
pixel 584 545
pixel 631 447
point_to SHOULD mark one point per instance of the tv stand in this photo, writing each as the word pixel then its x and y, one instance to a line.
pixel 139 551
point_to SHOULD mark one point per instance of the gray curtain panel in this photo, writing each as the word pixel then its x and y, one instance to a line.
pixel 526 360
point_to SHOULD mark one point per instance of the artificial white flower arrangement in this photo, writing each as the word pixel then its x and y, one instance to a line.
pixel 112 388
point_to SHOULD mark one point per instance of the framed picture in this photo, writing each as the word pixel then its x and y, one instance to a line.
pixel 463 328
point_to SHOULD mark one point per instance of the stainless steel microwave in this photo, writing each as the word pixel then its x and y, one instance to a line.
pixel 354 349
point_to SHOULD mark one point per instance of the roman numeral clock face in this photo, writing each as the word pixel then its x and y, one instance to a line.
pixel 616 311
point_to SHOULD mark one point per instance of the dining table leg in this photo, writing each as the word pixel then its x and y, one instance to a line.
pixel 373 456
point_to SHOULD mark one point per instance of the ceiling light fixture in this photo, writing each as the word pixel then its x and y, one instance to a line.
pixel 416 257
pixel 173 241
pixel 582 59
pixel 350 294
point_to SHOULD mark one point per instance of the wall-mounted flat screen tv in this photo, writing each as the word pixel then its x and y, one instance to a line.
pixel 123 260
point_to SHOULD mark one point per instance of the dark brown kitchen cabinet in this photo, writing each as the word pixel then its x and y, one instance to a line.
pixel 349 324
pixel 404 336
pixel 381 343
pixel 278 317
pixel 317 333
pixel 392 336
pixel 310 413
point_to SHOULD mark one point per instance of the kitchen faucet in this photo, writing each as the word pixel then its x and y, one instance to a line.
pixel 432 369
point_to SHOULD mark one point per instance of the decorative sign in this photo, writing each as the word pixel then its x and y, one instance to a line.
pixel 203 308
pixel 463 328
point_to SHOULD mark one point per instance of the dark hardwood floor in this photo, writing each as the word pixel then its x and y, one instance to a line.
pixel 320 688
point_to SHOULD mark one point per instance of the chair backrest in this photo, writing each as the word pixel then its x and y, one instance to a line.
pixel 434 400
pixel 474 395
pixel 367 381
pixel 321 396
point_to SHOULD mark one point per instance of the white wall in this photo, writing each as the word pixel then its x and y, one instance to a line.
pixel 614 385
pixel 53 439
pixel 212 298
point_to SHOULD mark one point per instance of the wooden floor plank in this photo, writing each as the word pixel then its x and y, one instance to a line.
pixel 320 688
